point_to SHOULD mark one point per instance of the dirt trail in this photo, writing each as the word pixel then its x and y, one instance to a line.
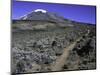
pixel 62 59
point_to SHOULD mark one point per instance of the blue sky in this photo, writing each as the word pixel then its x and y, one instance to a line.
pixel 80 13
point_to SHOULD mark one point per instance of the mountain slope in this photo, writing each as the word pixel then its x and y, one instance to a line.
pixel 40 15
pixel 41 40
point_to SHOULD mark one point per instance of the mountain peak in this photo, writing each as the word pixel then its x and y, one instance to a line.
pixel 43 15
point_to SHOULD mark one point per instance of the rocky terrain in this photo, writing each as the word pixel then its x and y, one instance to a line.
pixel 46 45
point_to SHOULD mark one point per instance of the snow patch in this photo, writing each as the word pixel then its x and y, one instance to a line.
pixel 42 10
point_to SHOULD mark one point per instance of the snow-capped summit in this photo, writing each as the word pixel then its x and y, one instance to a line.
pixel 40 10
pixel 43 15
